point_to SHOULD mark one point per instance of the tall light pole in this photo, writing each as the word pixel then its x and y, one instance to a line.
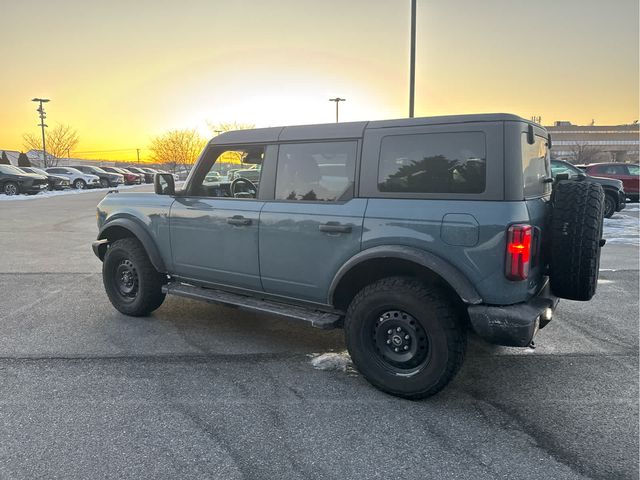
pixel 412 60
pixel 337 100
pixel 43 115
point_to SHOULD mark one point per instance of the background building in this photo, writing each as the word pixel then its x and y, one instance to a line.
pixel 591 143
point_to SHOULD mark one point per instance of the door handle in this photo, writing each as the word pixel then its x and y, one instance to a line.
pixel 334 227
pixel 238 220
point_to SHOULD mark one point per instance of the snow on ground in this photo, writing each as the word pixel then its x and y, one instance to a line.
pixel 56 193
pixel 332 361
pixel 624 226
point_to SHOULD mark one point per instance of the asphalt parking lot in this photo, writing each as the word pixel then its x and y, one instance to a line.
pixel 200 391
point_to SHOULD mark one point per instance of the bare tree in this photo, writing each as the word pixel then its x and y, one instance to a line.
pixel 584 154
pixel 61 140
pixel 177 149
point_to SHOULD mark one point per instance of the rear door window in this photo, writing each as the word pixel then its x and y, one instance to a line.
pixel 322 171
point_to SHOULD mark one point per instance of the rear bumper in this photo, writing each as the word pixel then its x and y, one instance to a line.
pixel 513 325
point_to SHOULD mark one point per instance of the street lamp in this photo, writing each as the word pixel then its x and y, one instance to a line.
pixel 412 59
pixel 337 100
pixel 43 115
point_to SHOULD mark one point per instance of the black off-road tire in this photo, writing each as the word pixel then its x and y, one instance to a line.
pixel 576 232
pixel 434 317
pixel 609 205
pixel 128 256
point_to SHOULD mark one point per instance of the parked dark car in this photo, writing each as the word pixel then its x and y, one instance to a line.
pixel 14 181
pixel 139 175
pixel 615 197
pixel 130 178
pixel 56 182
pixel 148 176
pixel 628 174
pixel 107 179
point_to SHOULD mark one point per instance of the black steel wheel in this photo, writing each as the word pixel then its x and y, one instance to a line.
pixel 132 284
pixel 400 342
pixel 405 337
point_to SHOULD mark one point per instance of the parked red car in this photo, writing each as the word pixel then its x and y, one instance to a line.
pixel 129 178
pixel 628 173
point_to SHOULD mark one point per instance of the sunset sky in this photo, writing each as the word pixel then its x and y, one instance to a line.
pixel 121 72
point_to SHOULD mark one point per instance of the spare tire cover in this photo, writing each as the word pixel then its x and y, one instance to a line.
pixel 576 231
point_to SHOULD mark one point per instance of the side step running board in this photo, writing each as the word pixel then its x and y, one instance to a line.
pixel 317 318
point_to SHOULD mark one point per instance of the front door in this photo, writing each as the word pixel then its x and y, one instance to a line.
pixel 214 225
pixel 314 224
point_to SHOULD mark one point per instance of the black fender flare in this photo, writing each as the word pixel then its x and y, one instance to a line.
pixel 140 232
pixel 449 273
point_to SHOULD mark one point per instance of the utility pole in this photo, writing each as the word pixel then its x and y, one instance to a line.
pixel 138 155
pixel 412 60
pixel 43 115
pixel 337 100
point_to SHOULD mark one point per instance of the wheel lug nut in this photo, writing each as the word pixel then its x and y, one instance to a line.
pixel 406 347
pixel 389 331
pixel 406 337
pixel 388 342
pixel 398 329
pixel 396 349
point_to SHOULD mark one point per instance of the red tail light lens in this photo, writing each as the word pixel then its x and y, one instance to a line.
pixel 518 252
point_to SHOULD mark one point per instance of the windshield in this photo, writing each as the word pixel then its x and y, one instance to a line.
pixel 11 169
pixel 97 169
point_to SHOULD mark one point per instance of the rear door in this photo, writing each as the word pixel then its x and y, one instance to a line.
pixel 631 180
pixel 314 224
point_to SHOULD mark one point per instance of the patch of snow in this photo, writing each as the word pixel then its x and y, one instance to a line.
pixel 622 228
pixel 57 193
pixel 340 361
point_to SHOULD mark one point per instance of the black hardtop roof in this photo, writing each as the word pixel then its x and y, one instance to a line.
pixel 350 129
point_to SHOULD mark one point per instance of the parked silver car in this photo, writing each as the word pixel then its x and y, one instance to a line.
pixel 78 179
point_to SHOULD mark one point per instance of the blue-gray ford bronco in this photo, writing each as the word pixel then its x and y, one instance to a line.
pixel 406 233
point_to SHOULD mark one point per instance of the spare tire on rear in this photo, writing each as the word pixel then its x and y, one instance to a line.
pixel 576 233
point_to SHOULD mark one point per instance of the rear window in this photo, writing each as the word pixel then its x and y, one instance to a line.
pixel 433 163
pixel 535 166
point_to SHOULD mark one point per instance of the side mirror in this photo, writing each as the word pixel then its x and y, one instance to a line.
pixel 164 184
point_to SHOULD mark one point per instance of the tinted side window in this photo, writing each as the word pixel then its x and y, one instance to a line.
pixel 321 172
pixel 633 169
pixel 433 163
pixel 535 166
pixel 613 169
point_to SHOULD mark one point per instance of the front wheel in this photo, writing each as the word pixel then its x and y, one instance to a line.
pixel 10 188
pixel 104 183
pixel 405 337
pixel 79 184
pixel 132 283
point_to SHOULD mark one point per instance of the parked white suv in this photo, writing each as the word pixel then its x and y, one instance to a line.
pixel 78 179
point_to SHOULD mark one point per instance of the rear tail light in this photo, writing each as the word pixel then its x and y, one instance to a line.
pixel 519 242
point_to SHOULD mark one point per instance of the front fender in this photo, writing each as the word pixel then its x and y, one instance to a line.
pixel 449 273
pixel 137 230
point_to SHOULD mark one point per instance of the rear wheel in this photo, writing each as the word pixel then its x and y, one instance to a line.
pixel 405 337
pixel 133 285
